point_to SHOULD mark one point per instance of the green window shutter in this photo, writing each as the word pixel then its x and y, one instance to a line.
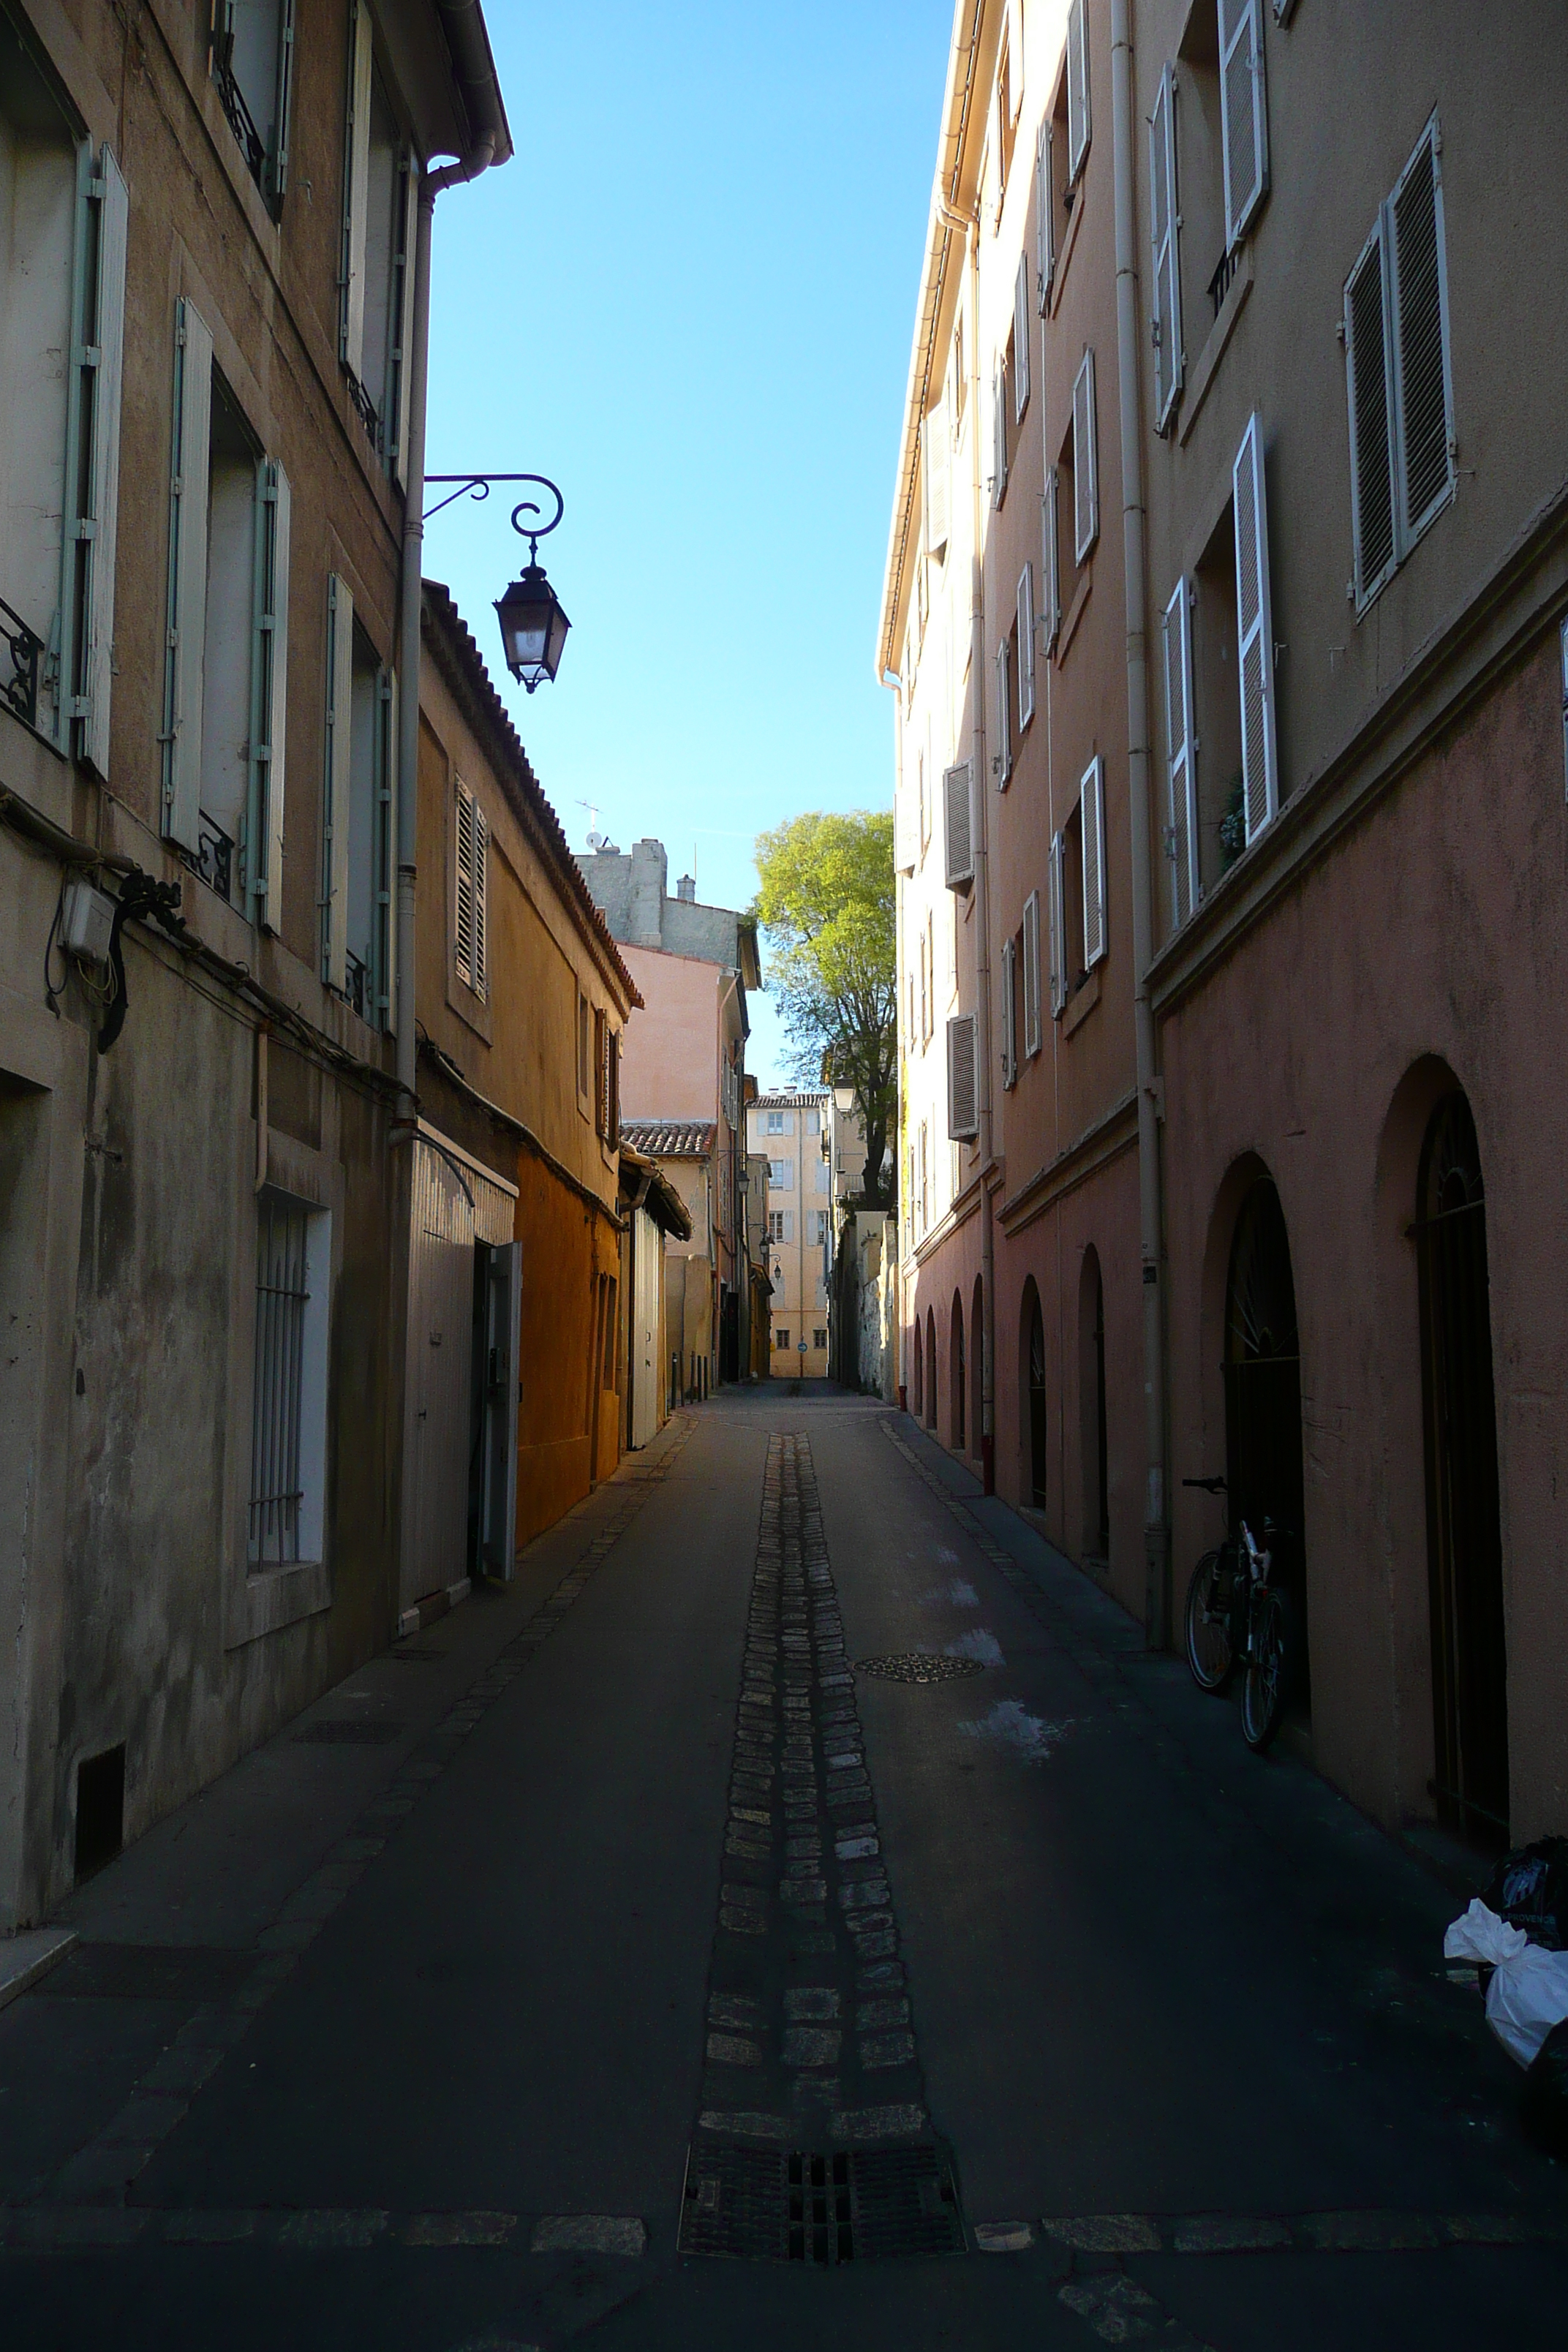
pixel 335 784
pixel 187 590
pixel 277 162
pixel 268 696
pixel 102 379
pixel 384 941
pixel 356 192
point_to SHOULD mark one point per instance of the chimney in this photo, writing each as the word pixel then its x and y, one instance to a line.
pixel 646 928
pixel 687 888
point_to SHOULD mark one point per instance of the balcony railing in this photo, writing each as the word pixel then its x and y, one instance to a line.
pixel 21 688
pixel 355 978
pixel 1219 284
pixel 241 122
pixel 212 859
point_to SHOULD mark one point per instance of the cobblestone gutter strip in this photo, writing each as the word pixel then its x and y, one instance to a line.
pixel 71 2228
pixel 102 2172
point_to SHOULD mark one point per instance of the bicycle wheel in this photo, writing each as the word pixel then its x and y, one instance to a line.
pixel 1270 1670
pixel 1209 1624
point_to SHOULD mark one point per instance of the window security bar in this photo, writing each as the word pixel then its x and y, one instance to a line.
pixel 282 1297
pixel 1219 284
pixel 21 688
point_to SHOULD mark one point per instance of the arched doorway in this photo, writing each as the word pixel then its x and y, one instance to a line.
pixel 1464 1537
pixel 1031 1381
pixel 930 1367
pixel 955 1383
pixel 916 1389
pixel 1263 1389
pixel 977 1368
pixel 1095 1449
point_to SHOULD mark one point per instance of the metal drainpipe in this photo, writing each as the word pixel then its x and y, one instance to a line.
pixel 1156 1533
pixel 967 225
pixel 478 160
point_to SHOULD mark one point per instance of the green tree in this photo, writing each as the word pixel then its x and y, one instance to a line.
pixel 825 912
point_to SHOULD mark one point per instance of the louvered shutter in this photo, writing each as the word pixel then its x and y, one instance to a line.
pixel 1014 56
pixel 108 359
pixel 1009 1030
pixel 1032 972
pixel 1078 89
pixel 1182 797
pixel 283 106
pixel 1021 337
pixel 481 875
pixel 936 442
pixel 1091 827
pixel 1025 645
pixel 1255 634
pixel 269 697
pixel 1057 913
pixel 958 815
pixel 1422 401
pixel 906 829
pixel 1050 569
pixel 962 1113
pixel 1045 218
pixel 187 577
pixel 1169 358
pixel 401 323
pixel 383 880
pixel 336 794
pixel 1243 114
pixel 1369 394
pixel 1003 761
pixel 1085 461
pixel 356 191
pixel 998 435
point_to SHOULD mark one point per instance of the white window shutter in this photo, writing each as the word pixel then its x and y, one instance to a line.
pixel 1182 797
pixel 1021 317
pixel 936 444
pixel 113 211
pixel 998 435
pixel 356 191
pixel 383 975
pixel 1255 633
pixel 1032 972
pixel 1056 912
pixel 1009 1037
pixel 1050 567
pixel 1085 461
pixel 789 1224
pixel 1002 759
pixel 958 815
pixel 481 874
pixel 1077 88
pixel 187 576
pixel 402 325
pixel 1025 645
pixel 1045 218
pixel 1014 56
pixel 1423 399
pixel 963 1099
pixel 277 162
pixel 336 797
pixel 1169 359
pixel 1369 399
pixel 1091 826
pixel 1243 114
pixel 269 697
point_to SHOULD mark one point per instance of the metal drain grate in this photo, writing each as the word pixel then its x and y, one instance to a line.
pixel 917 1666
pixel 351 1732
pixel 773 2205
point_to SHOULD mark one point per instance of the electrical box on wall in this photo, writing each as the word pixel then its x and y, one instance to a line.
pixel 87 921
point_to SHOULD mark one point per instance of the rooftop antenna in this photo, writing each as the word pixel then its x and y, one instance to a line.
pixel 597 839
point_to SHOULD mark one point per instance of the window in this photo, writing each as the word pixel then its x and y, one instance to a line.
pixel 288 1382
pixel 819 1338
pixel 776 1122
pixel 1222 132
pixel 1009 1012
pixel 775 1225
pixel 1077 889
pixel 1072 503
pixel 470 910
pixel 936 460
pixel 1078 109
pixel 1025 643
pixel 1020 345
pixel 1044 217
pixel 1030 961
pixel 1085 461
pixel 1002 758
pixel 1005 99
pixel 1165 281
pixel 1091 827
pixel 781 1175
pixel 781 1337
pixel 252 60
pixel 962 1100
pixel 225 678
pixel 1057 904
pixel 1181 799
pixel 607 1085
pixel 374 320
pixel 358 817
pixel 958 821
pixel 999 431
pixel 817 1231
pixel 63 220
pixel 1399 393
pixel 1243 114
pixel 1255 634
pixel 585 1050
pixel 1050 573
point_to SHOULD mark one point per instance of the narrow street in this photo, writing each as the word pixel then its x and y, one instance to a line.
pixel 491 2004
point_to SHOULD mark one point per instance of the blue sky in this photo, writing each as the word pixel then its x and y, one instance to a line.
pixel 688 299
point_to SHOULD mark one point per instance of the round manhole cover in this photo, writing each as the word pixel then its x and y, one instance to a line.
pixel 917 1666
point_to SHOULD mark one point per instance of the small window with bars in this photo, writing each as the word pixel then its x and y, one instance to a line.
pixel 288 1444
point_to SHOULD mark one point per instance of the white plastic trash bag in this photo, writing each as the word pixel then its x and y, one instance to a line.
pixel 1527 1997
pixel 1479 1935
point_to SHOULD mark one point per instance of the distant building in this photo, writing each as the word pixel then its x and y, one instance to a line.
pixel 815 1155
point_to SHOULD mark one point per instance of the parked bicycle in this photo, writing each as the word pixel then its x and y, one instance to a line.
pixel 1237 1612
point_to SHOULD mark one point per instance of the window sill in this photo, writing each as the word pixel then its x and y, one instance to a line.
pixel 272 1598
pixel 1082 1003
pixel 1068 629
pixel 471 1009
pixel 1212 351
pixel 1059 280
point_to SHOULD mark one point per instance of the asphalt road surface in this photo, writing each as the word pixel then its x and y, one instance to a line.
pixel 797 1912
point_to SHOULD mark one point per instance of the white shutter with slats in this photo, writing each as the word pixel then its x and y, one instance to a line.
pixel 1002 758
pixel 1369 399
pixel 481 875
pixel 962 1095
pixel 1021 317
pixel 1050 568
pixel 1009 1012
pixel 1025 645
pixel 1166 283
pixel 1180 779
pixel 936 446
pixel 114 213
pixel 958 822
pixel 463 908
pixel 1243 114
pixel 356 191
pixel 187 577
pixel 1031 973
pixel 1423 398
pixel 1045 218
pixel 269 697
pixel 277 162
pixel 1014 56
pixel 1077 88
pixel 336 789
pixel 1056 925
pixel 998 435
pixel 403 322
pixel 1085 461
pixel 1091 829
pixel 1255 633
